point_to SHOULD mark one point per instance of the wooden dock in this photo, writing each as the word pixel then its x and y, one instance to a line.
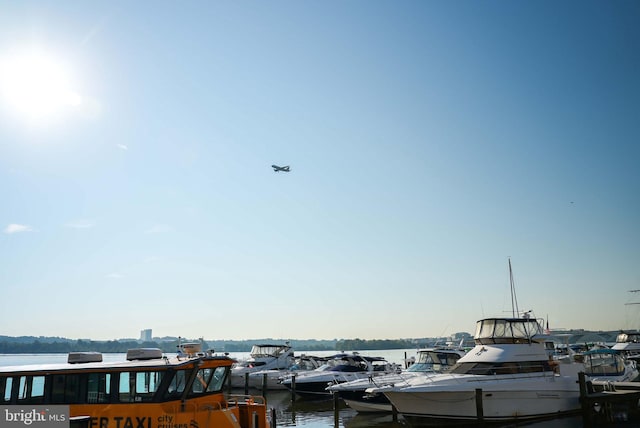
pixel 609 402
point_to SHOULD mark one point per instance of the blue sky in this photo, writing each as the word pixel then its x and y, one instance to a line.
pixel 429 142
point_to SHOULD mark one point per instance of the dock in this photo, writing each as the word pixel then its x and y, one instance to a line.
pixel 609 402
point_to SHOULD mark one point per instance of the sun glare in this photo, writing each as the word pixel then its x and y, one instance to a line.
pixel 36 86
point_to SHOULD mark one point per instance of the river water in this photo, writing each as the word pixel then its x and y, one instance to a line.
pixel 304 413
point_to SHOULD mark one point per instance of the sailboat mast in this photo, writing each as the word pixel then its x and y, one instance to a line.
pixel 514 300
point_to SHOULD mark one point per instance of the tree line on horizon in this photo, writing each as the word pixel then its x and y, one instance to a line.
pixel 43 345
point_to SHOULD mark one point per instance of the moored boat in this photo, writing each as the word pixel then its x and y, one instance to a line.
pixel 272 379
pixel 338 369
pixel 149 390
pixel 262 357
pixel 508 374
pixel 428 361
pixel 609 365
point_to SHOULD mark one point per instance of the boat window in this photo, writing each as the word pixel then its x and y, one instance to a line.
pixel 512 330
pixel 217 380
pixel 5 388
pixel 202 380
pixel 138 386
pixel 31 389
pixel 65 389
pixel 346 368
pixel 177 384
pixel 208 380
pixel 98 387
pixel 603 364
pixel 502 368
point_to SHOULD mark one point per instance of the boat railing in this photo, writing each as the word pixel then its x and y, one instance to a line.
pixel 232 401
pixel 240 399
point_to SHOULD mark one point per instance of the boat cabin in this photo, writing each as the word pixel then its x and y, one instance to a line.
pixel 607 363
pixel 628 341
pixel 507 330
pixel 507 346
pixel 435 360
pixel 146 385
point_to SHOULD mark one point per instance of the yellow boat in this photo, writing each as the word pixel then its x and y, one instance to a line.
pixel 148 390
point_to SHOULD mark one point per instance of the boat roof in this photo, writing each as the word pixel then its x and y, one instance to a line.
pixel 272 345
pixel 163 362
pixel 356 357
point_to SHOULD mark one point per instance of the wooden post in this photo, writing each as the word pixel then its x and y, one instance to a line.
pixel 246 383
pixel 273 417
pixel 336 409
pixel 293 387
pixel 584 400
pixel 264 384
pixel 479 408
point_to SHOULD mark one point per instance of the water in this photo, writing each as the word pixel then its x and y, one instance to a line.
pixel 303 413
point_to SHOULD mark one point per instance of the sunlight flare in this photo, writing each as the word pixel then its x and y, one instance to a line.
pixel 37 85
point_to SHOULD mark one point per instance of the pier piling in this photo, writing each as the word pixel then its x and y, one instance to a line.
pixel 608 402
pixel 479 407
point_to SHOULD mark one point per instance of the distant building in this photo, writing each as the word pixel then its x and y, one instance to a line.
pixel 145 335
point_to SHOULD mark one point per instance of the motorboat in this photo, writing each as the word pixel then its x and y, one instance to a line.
pixel 427 361
pixel 262 357
pixel 508 376
pixel 609 365
pixel 628 342
pixel 339 368
pixel 272 379
pixel 148 389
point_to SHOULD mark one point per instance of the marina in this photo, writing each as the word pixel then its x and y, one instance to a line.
pixel 283 410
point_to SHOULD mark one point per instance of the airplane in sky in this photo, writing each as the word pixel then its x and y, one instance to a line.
pixel 277 168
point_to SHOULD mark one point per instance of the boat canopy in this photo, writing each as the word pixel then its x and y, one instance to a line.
pixel 268 350
pixel 507 330
pixel 603 362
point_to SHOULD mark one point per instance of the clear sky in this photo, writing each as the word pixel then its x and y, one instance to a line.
pixel 429 142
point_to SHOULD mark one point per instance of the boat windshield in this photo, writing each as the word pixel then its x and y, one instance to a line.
pixel 603 364
pixel 267 350
pixel 433 361
pixel 506 330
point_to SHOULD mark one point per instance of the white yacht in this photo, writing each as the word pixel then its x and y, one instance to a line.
pixel 262 357
pixel 428 361
pixel 507 376
pixel 338 369
pixel 273 377
pixel 628 342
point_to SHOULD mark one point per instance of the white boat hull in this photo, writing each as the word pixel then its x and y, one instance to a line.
pixel 368 407
pixel 521 400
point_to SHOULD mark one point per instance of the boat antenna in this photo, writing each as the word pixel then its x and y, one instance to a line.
pixel 514 300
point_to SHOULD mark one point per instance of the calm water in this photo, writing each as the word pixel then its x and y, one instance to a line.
pixel 302 413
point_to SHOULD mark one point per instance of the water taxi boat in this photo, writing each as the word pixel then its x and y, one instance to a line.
pixel 148 390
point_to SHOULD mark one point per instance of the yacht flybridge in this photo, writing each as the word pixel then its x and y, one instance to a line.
pixel 147 387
